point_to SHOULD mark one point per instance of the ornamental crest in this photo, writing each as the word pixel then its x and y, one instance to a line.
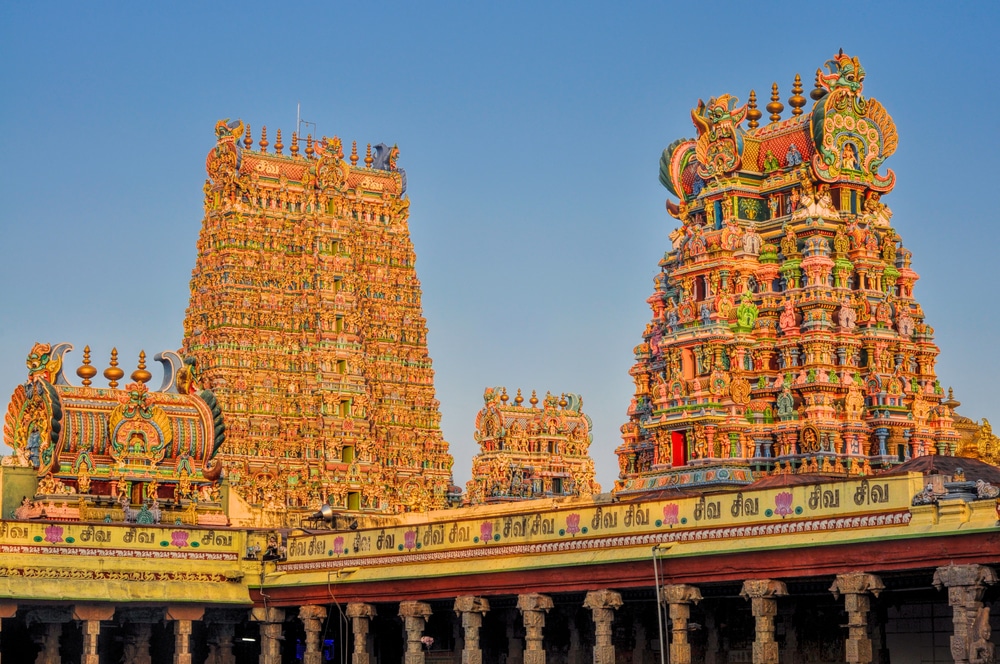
pixel 720 138
pixel 140 431
pixel 853 135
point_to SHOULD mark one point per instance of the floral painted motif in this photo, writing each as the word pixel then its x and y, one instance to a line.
pixel 670 512
pixel 338 545
pixel 179 538
pixel 486 531
pixel 54 534
pixel 572 524
pixel 410 539
pixel 783 503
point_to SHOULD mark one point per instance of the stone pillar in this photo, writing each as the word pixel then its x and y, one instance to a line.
pixel 220 643
pixel 763 594
pixel 679 598
pixel 137 643
pixel 312 622
pixel 515 647
pixel 790 653
pixel 360 615
pixel 48 641
pixel 573 656
pixel 90 618
pixel 855 588
pixel 415 615
pixel 712 645
pixel 270 633
pixel 471 610
pixel 602 604
pixel 183 617
pixel 966 583
pixel 533 609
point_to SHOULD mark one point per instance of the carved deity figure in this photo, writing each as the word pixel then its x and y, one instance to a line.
pixel 787 318
pixel 847 317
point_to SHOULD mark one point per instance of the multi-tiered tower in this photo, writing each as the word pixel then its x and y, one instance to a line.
pixel 784 334
pixel 531 451
pixel 305 318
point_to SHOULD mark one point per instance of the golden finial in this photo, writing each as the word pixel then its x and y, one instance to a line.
pixel 818 91
pixel 753 115
pixel 534 399
pixel 368 157
pixel 354 153
pixel 113 373
pixel 775 107
pixel 277 143
pixel 263 139
pixel 797 101
pixel 309 146
pixel 140 375
pixel 952 402
pixel 247 138
pixel 562 401
pixel 295 144
pixel 87 371
pixel 503 396
pixel 518 400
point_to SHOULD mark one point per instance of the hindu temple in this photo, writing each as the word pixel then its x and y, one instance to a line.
pixel 794 484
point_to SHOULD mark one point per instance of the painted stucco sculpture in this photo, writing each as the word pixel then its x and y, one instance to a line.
pixel 785 336
pixel 116 454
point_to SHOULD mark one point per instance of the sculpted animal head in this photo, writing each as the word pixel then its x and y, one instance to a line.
pixel 846 74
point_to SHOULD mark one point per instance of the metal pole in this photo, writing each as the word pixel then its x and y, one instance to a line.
pixel 659 605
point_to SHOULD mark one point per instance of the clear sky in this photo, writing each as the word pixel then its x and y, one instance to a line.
pixel 530 134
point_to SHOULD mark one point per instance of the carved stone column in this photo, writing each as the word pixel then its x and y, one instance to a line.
pixel 712 646
pixel 855 588
pixel 966 583
pixel 312 622
pixel 183 617
pixel 602 604
pixel 533 609
pixel 220 644
pixel 90 618
pixel 221 629
pixel 763 594
pixel 471 610
pixel 415 615
pixel 48 642
pixel 679 598
pixel 270 633
pixel 360 615
pixel 137 643
pixel 515 646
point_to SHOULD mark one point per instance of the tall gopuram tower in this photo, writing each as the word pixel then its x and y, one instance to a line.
pixel 305 318
pixel 530 451
pixel 784 334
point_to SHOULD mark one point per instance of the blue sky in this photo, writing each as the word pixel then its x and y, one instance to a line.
pixel 530 133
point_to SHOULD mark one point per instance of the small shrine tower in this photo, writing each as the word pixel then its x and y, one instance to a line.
pixel 531 452
pixel 305 319
pixel 785 335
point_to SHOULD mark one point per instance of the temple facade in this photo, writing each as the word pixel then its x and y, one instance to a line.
pixel 305 320
pixel 785 334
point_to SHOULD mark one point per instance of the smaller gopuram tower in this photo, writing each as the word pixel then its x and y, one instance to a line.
pixel 785 335
pixel 305 319
pixel 531 452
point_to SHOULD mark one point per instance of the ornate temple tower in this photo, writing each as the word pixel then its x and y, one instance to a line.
pixel 784 333
pixel 305 319
pixel 531 452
